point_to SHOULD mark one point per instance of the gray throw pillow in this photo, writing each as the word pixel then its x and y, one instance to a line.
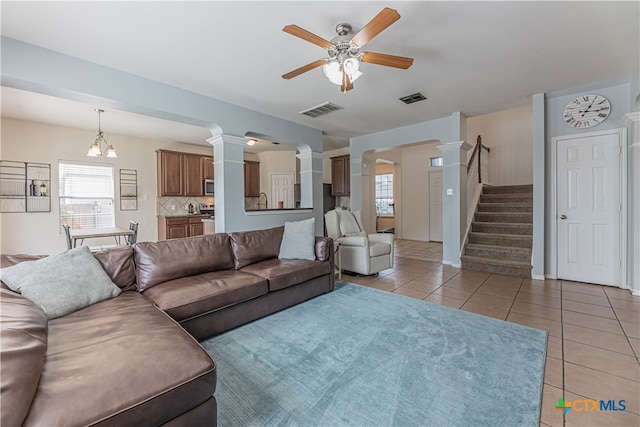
pixel 298 240
pixel 63 283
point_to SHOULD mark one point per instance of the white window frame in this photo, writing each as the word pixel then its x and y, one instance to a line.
pixel 85 199
pixel 383 206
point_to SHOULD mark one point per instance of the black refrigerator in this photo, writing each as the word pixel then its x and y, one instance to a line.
pixel 328 201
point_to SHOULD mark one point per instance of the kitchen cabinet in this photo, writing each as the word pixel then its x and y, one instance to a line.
pixel 340 176
pixel 193 176
pixel 180 226
pixel 196 226
pixel 207 167
pixel 251 178
pixel 170 173
pixel 180 174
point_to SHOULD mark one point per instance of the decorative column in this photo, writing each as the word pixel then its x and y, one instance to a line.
pixel 310 164
pixel 454 200
pixel 228 167
pixel 355 183
pixel 632 121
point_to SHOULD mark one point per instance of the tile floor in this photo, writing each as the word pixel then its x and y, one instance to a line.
pixel 594 331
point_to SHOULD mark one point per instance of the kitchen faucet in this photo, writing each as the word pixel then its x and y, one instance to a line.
pixel 266 203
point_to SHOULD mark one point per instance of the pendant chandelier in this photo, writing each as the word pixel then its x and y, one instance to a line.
pixel 96 150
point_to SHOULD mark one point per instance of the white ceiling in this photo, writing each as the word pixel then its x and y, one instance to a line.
pixel 473 57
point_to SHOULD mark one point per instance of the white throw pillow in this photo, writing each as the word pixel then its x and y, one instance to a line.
pixel 63 283
pixel 298 240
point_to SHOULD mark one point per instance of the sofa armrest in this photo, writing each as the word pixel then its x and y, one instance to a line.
pixel 359 241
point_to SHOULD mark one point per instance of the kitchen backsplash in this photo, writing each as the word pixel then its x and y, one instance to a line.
pixel 171 206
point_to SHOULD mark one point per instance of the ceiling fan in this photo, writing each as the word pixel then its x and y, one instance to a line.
pixel 345 50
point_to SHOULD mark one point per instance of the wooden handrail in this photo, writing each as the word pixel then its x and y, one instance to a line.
pixel 477 150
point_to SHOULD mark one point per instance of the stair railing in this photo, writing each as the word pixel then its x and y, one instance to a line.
pixel 477 168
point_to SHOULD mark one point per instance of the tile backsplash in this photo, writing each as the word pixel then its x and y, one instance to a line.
pixel 171 206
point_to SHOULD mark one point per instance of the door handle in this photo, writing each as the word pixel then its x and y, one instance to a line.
pixel 563 217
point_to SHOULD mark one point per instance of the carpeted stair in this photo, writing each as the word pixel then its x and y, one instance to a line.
pixel 501 234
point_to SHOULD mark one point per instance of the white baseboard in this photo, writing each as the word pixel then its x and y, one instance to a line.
pixel 537 277
pixel 635 292
pixel 456 265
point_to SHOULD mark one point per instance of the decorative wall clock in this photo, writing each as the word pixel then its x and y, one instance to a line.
pixel 586 111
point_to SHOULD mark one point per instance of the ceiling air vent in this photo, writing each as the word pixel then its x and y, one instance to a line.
pixel 321 110
pixel 410 99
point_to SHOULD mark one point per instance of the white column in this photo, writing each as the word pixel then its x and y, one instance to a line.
pixel 632 120
pixel 356 183
pixel 454 200
pixel 538 249
pixel 310 165
pixel 228 155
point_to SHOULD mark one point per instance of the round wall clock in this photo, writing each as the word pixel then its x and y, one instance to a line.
pixel 586 111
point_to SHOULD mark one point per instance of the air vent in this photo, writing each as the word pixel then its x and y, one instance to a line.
pixel 410 99
pixel 321 110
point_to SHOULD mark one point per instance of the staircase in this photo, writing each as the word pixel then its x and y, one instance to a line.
pixel 501 233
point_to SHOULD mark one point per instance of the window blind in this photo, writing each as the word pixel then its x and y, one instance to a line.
pixel 86 194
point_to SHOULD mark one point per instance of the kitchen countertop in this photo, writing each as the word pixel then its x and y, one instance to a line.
pixel 183 216
pixel 277 210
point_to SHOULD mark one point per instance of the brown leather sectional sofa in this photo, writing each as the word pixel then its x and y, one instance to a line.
pixel 126 360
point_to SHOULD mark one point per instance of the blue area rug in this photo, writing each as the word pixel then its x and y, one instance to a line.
pixel 362 357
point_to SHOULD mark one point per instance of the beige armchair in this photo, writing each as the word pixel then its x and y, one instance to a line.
pixel 359 252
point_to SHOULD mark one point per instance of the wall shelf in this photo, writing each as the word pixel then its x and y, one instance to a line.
pixel 128 190
pixel 25 186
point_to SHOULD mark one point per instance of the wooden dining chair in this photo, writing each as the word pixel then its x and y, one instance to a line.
pixel 68 235
pixel 132 238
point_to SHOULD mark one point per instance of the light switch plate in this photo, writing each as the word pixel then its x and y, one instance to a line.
pixel 449 191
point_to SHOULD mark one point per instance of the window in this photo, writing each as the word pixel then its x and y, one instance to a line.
pixel 435 161
pixel 86 195
pixel 384 194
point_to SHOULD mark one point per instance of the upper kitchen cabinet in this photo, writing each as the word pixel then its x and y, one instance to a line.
pixel 193 176
pixel 207 167
pixel 179 174
pixel 251 178
pixel 340 176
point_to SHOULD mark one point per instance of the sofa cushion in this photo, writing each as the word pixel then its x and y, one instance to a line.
pixel 298 240
pixel 257 245
pixel 23 341
pixel 117 262
pixel 158 262
pixel 192 296
pixel 283 273
pixel 63 283
pixel 120 362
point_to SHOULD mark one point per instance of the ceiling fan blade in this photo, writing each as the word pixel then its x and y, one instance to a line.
pixel 347 84
pixel 294 30
pixel 378 24
pixel 304 69
pixel 387 60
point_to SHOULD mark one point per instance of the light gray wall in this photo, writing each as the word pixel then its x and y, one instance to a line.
pixel 620 93
pixel 32 68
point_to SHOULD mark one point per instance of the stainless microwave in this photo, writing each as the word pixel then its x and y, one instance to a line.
pixel 209 187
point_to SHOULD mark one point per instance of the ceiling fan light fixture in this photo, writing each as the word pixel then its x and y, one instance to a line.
pixel 332 70
pixel 351 66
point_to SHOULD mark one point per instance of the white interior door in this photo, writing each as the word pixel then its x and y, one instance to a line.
pixel 282 190
pixel 589 208
pixel 435 206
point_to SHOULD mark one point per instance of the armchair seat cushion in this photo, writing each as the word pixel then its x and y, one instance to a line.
pixel 378 248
